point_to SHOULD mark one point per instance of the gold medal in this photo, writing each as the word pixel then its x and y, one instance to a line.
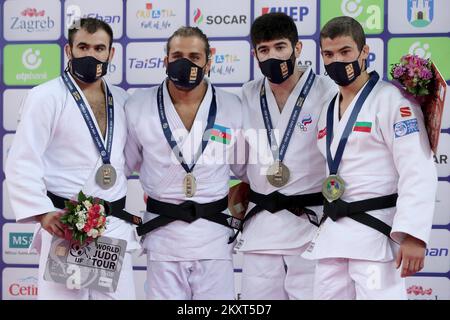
pixel 189 185
pixel 333 187
pixel 278 174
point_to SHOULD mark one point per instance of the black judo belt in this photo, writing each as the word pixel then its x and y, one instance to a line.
pixel 357 211
pixel 114 208
pixel 188 211
pixel 276 201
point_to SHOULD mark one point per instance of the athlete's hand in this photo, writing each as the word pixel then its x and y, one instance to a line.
pixel 51 223
pixel 411 256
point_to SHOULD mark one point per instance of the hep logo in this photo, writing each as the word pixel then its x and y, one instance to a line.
pixel 198 16
pixel 32 12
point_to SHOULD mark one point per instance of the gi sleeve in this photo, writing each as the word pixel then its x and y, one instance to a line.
pixel 403 129
pixel 239 160
pixel 24 169
pixel 133 148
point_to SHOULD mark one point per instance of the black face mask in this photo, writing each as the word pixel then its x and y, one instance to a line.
pixel 184 73
pixel 88 69
pixel 344 73
pixel 276 70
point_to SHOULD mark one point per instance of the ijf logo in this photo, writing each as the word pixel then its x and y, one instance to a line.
pixel 303 124
pixel 420 12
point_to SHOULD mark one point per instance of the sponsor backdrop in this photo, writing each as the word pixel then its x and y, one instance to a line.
pixel 33 33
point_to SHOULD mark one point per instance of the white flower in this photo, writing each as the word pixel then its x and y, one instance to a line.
pixel 80 225
pixel 93 233
pixel 81 215
pixel 102 209
pixel 87 204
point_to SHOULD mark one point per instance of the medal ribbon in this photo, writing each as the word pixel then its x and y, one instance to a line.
pixel 333 164
pixel 105 153
pixel 168 133
pixel 279 153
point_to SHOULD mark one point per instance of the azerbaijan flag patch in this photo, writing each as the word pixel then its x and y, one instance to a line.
pixel 221 134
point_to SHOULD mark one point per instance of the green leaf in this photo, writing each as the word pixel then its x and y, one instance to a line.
pixel 81 196
pixel 69 205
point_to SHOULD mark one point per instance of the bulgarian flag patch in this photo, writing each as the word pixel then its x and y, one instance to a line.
pixel 363 126
pixel 221 134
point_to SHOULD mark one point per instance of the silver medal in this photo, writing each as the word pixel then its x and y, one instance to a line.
pixel 278 174
pixel 106 176
pixel 189 185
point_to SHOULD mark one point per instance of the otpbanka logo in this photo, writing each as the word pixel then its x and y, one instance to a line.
pixel 31 59
pixel 30 20
pixel 198 16
pixel 421 50
pixel 155 18
pixel 223 63
pixel 420 12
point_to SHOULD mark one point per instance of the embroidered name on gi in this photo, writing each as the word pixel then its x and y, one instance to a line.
pixel 405 127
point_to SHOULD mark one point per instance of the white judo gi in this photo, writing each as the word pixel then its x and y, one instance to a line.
pixel 387 152
pixel 185 260
pixel 273 242
pixel 53 151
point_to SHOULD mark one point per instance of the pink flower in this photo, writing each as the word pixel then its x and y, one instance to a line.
pixel 425 74
pixel 399 71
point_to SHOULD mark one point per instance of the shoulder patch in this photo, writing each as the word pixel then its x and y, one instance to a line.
pixel 405 112
pixel 405 127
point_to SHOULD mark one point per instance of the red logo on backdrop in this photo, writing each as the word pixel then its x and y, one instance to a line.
pixel 32 12
pixel 419 290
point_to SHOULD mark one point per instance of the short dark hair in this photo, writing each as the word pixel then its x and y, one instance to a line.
pixel 190 32
pixel 91 25
pixel 344 26
pixel 272 26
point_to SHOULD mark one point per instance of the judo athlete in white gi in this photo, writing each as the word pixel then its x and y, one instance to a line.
pixel 285 180
pixel 181 134
pixel 53 155
pixel 382 180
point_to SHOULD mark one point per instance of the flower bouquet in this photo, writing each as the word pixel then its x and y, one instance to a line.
pixel 85 219
pixel 422 81
pixel 414 73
